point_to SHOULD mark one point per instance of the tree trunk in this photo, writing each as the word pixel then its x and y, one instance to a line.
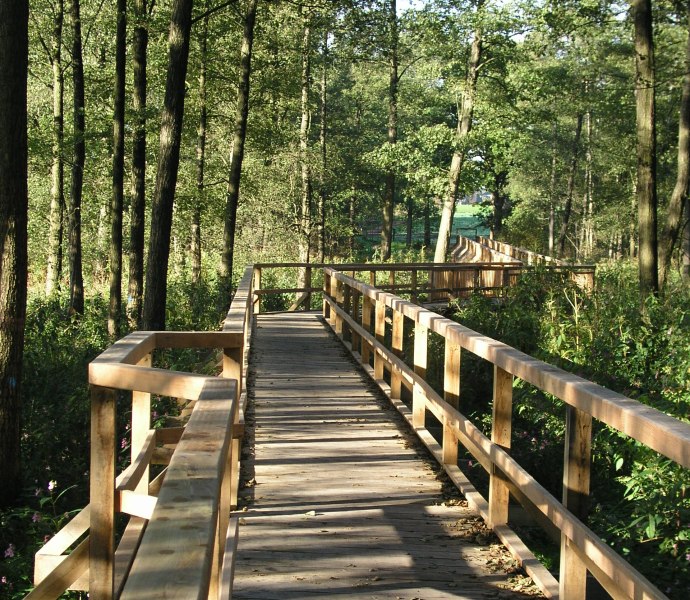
pixel 465 115
pixel 498 200
pixel 117 201
pixel 427 223
pixel 168 161
pixel 305 202
pixel 389 194
pixel 324 151
pixel 410 219
pixel 237 156
pixel 200 159
pixel 351 205
pixel 552 191
pixel 14 50
pixel 76 278
pixel 567 209
pixel 138 206
pixel 57 194
pixel 674 219
pixel 646 148
pixel 685 272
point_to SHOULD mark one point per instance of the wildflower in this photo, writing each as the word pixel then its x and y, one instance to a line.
pixel 469 463
pixel 36 517
pixel 123 443
pixel 3 579
pixel 687 557
pixel 52 484
pixel 9 553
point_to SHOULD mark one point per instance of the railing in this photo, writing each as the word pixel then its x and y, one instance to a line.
pixel 526 256
pixel 179 541
pixel 467 250
pixel 372 323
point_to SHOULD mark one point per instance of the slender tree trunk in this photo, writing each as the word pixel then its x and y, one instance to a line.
pixel 685 272
pixel 427 223
pixel 552 191
pixel 76 278
pixel 409 223
pixel 57 193
pixel 324 151
pixel 200 159
pixel 587 245
pixel 646 148
pixel 232 198
pixel 306 199
pixel 498 199
pixel 14 50
pixel 118 173
pixel 351 206
pixel 567 209
pixel 135 292
pixel 465 115
pixel 389 193
pixel 674 220
pixel 168 161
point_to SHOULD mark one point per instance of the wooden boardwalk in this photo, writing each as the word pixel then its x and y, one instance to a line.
pixel 341 502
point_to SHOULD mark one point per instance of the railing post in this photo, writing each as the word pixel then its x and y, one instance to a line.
pixel 366 324
pixel 397 347
pixel 141 423
pixel 232 369
pixel 334 296
pixel 421 338
pixel 501 427
pixel 347 307
pixel 340 301
pixel 413 285
pixel 355 338
pixel 380 332
pixel 391 280
pixel 451 374
pixel 307 284
pixel 372 278
pixel 576 475
pixel 326 292
pixel 257 286
pixel 102 493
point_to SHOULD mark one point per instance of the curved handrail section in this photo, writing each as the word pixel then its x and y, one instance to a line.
pixel 372 322
pixel 180 540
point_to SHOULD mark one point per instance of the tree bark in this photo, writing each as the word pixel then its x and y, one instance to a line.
pixel 498 199
pixel 76 277
pixel 232 198
pixel 389 193
pixel 57 193
pixel 117 200
pixel 200 159
pixel 306 194
pixel 427 223
pixel 464 127
pixel 674 219
pixel 168 161
pixel 685 270
pixel 324 151
pixel 14 50
pixel 408 224
pixel 552 191
pixel 568 207
pixel 135 288
pixel 646 148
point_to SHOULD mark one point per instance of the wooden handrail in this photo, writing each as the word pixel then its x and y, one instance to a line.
pixel 196 490
pixel 582 550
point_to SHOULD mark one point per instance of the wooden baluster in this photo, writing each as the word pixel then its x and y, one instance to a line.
pixel 413 284
pixel 232 369
pixel 421 338
pixel 141 423
pixel 391 280
pixel 347 307
pixel 372 278
pixel 451 374
pixel 380 332
pixel 326 292
pixel 102 492
pixel 307 284
pixel 257 287
pixel 576 476
pixel 366 324
pixel 340 299
pixel 356 338
pixel 501 427
pixel 334 296
pixel 397 347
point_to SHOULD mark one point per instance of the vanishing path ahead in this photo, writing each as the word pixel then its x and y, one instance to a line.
pixel 344 505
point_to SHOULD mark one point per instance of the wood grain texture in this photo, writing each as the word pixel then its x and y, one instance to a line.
pixel 343 506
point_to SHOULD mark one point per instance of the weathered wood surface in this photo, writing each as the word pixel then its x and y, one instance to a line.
pixel 344 504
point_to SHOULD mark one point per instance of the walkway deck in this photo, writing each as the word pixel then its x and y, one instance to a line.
pixel 345 504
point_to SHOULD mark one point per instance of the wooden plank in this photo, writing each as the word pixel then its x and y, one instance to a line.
pixel 64 575
pixel 501 428
pixel 451 374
